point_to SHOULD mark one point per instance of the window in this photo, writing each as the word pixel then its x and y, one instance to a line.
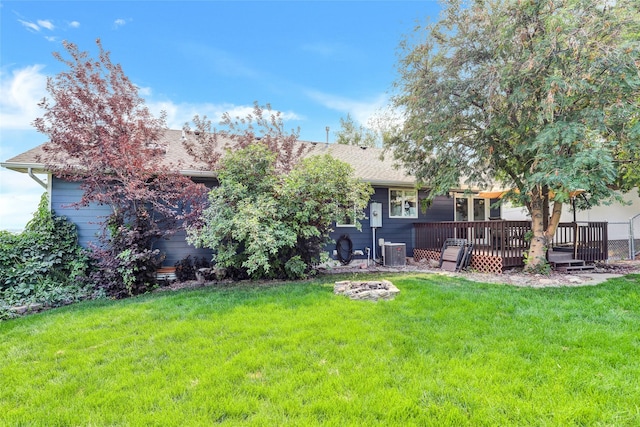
pixel 472 208
pixel 349 220
pixel 403 203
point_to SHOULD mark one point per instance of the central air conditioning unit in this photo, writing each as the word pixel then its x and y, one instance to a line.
pixel 395 254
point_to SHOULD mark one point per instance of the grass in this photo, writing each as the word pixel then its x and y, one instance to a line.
pixel 444 352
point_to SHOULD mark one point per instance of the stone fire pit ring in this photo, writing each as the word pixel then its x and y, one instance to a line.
pixel 371 290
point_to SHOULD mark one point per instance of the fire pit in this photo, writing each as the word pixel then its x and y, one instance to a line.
pixel 370 290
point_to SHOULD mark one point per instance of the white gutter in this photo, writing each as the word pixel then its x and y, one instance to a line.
pixel 388 183
pixel 206 174
pixel 24 167
pixel 29 169
pixel 36 179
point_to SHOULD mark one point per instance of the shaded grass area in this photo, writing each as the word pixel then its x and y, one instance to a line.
pixel 445 352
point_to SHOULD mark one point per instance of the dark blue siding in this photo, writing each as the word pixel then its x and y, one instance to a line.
pixel 441 209
pixel 88 219
pixel 496 211
pixel 176 248
pixel 393 230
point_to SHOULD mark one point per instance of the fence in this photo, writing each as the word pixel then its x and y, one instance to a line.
pixel 624 240
pixel 634 234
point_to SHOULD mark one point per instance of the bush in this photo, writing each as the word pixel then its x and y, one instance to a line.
pixel 43 264
pixel 124 264
pixel 265 224
pixel 186 268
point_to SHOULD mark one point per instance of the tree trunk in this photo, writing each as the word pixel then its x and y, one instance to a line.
pixel 554 220
pixel 545 207
pixel 543 231
pixel 537 249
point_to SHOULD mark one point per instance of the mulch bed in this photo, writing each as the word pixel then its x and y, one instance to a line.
pixel 514 277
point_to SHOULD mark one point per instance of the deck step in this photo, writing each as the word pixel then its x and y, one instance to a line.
pixel 568 262
pixel 575 268
pixel 570 265
pixel 559 256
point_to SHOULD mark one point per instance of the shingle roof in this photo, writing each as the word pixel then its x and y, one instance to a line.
pixel 27 159
pixel 368 163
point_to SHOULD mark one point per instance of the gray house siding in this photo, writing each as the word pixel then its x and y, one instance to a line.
pixel 88 219
pixel 176 247
pixel 495 210
pixel 393 230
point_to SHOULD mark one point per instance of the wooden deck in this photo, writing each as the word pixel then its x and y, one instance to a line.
pixel 498 245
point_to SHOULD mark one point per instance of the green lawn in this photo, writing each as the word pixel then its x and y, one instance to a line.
pixel 444 352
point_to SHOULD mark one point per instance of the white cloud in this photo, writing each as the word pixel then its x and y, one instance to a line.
pixel 243 111
pixel 38 25
pixel 144 91
pixel 45 23
pixel 330 50
pixel 19 198
pixel 179 114
pixel 119 23
pixel 31 26
pixel 361 110
pixel 74 24
pixel 20 92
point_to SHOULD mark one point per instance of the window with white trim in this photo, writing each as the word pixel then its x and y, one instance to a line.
pixel 469 208
pixel 403 203
pixel 349 219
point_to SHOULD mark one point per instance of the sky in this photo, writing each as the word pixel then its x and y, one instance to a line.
pixel 315 61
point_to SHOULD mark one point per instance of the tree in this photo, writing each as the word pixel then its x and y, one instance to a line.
pixel 351 134
pixel 262 222
pixel 263 124
pixel 319 191
pixel 627 158
pixel 538 96
pixel 102 135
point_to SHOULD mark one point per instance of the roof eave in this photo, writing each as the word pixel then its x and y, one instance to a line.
pixel 25 167
pixel 389 183
pixel 198 173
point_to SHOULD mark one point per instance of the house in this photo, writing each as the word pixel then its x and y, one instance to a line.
pixel 395 197
pixel 396 214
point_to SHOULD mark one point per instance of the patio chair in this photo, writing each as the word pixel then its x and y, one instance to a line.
pixel 456 254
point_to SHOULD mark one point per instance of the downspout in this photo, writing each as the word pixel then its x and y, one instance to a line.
pixel 36 179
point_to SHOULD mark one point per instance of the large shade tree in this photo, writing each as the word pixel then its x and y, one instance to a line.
pixel 102 135
pixel 539 96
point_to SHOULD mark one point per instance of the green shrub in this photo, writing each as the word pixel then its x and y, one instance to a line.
pixel 44 263
pixel 186 268
pixel 267 224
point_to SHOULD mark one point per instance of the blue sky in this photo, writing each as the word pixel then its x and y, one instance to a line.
pixel 314 61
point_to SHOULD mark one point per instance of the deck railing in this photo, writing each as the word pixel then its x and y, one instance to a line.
pixel 588 241
pixel 506 239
